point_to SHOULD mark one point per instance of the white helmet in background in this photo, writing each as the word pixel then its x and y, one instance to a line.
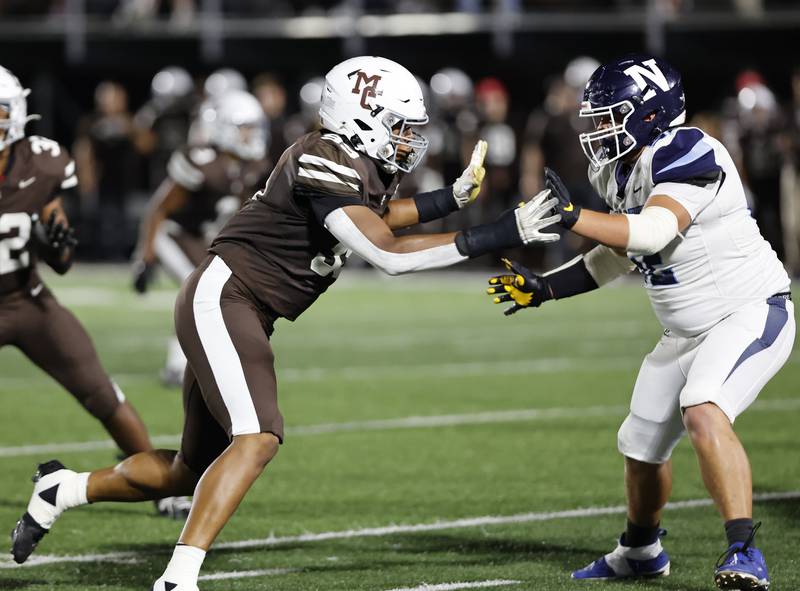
pixel 373 102
pixel 172 82
pixel 234 122
pixel 13 102
pixel 223 80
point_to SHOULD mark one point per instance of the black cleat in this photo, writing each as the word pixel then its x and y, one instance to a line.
pixel 25 537
pixel 45 469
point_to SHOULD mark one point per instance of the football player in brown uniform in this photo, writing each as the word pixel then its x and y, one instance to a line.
pixel 34 173
pixel 206 184
pixel 329 195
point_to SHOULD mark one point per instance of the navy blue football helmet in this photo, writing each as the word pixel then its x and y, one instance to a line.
pixel 631 100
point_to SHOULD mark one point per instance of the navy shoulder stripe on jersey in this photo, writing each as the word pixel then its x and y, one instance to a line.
pixel 686 158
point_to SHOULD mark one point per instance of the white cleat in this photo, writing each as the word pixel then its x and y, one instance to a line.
pixel 43 509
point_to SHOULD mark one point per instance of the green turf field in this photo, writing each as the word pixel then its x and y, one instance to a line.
pixel 410 402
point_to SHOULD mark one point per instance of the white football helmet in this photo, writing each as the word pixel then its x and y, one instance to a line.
pixel 234 122
pixel 170 83
pixel 13 102
pixel 223 80
pixel 373 102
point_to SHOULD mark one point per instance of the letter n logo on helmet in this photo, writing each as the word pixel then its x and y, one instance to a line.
pixel 366 85
pixel 653 73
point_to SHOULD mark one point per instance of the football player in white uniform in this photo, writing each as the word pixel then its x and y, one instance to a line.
pixel 680 216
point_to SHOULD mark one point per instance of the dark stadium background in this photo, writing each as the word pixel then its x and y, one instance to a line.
pixel 62 49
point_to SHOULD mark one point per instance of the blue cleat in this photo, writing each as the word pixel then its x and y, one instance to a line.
pixel 742 567
pixel 626 562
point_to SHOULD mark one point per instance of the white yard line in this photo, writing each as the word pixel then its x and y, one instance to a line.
pixel 245 574
pixel 412 422
pixel 399 371
pixel 374 532
pixel 455 586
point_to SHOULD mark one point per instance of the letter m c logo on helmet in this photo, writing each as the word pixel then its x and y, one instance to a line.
pixel 652 72
pixel 366 85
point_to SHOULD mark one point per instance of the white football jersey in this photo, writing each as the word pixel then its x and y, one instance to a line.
pixel 721 262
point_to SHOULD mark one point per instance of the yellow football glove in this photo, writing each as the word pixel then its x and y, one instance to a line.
pixel 522 287
pixel 468 185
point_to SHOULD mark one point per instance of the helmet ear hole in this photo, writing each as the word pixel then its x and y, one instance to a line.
pixel 362 125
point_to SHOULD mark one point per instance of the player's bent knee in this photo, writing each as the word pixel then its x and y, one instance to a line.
pixel 647 441
pixel 703 421
pixel 259 447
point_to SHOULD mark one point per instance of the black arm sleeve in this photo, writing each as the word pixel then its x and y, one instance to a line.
pixel 323 203
pixel 500 234
pixel 435 204
pixel 571 281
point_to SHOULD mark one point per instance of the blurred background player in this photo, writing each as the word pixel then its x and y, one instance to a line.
pixel 35 172
pixel 107 153
pixel 206 184
pixel 328 196
pixel 716 286
pixel 165 118
pixel 550 140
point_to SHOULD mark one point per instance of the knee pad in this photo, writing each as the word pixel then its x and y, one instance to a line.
pixel 649 441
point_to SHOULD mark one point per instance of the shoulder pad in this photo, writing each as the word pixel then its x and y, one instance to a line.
pixel 684 155
pixel 202 155
pixel 185 166
pixel 50 158
pixel 328 165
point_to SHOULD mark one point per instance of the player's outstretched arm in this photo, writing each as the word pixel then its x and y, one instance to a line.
pixel 442 202
pixel 55 237
pixel 369 236
pixel 645 233
pixel 585 273
pixel 168 198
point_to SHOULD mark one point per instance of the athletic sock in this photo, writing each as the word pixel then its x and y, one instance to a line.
pixel 738 530
pixel 184 566
pixel 59 491
pixel 636 536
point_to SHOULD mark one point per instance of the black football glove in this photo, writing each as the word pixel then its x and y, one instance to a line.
pixel 143 275
pixel 568 210
pixel 524 288
pixel 58 236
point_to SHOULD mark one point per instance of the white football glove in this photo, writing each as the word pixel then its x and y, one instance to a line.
pixel 531 218
pixel 468 185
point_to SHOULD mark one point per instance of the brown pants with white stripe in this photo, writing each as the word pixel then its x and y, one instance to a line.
pixel 50 336
pixel 229 388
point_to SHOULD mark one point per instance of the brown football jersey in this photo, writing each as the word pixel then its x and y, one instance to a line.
pixel 277 245
pixel 209 176
pixel 39 169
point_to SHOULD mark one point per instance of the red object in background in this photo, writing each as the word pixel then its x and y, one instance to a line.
pixel 488 86
pixel 748 78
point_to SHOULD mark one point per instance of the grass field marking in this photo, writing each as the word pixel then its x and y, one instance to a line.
pixel 462 369
pixel 373 532
pixel 246 574
pixel 411 422
pixel 455 586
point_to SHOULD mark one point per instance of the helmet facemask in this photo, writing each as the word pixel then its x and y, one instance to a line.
pixel 405 148
pixel 12 127
pixel 611 139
